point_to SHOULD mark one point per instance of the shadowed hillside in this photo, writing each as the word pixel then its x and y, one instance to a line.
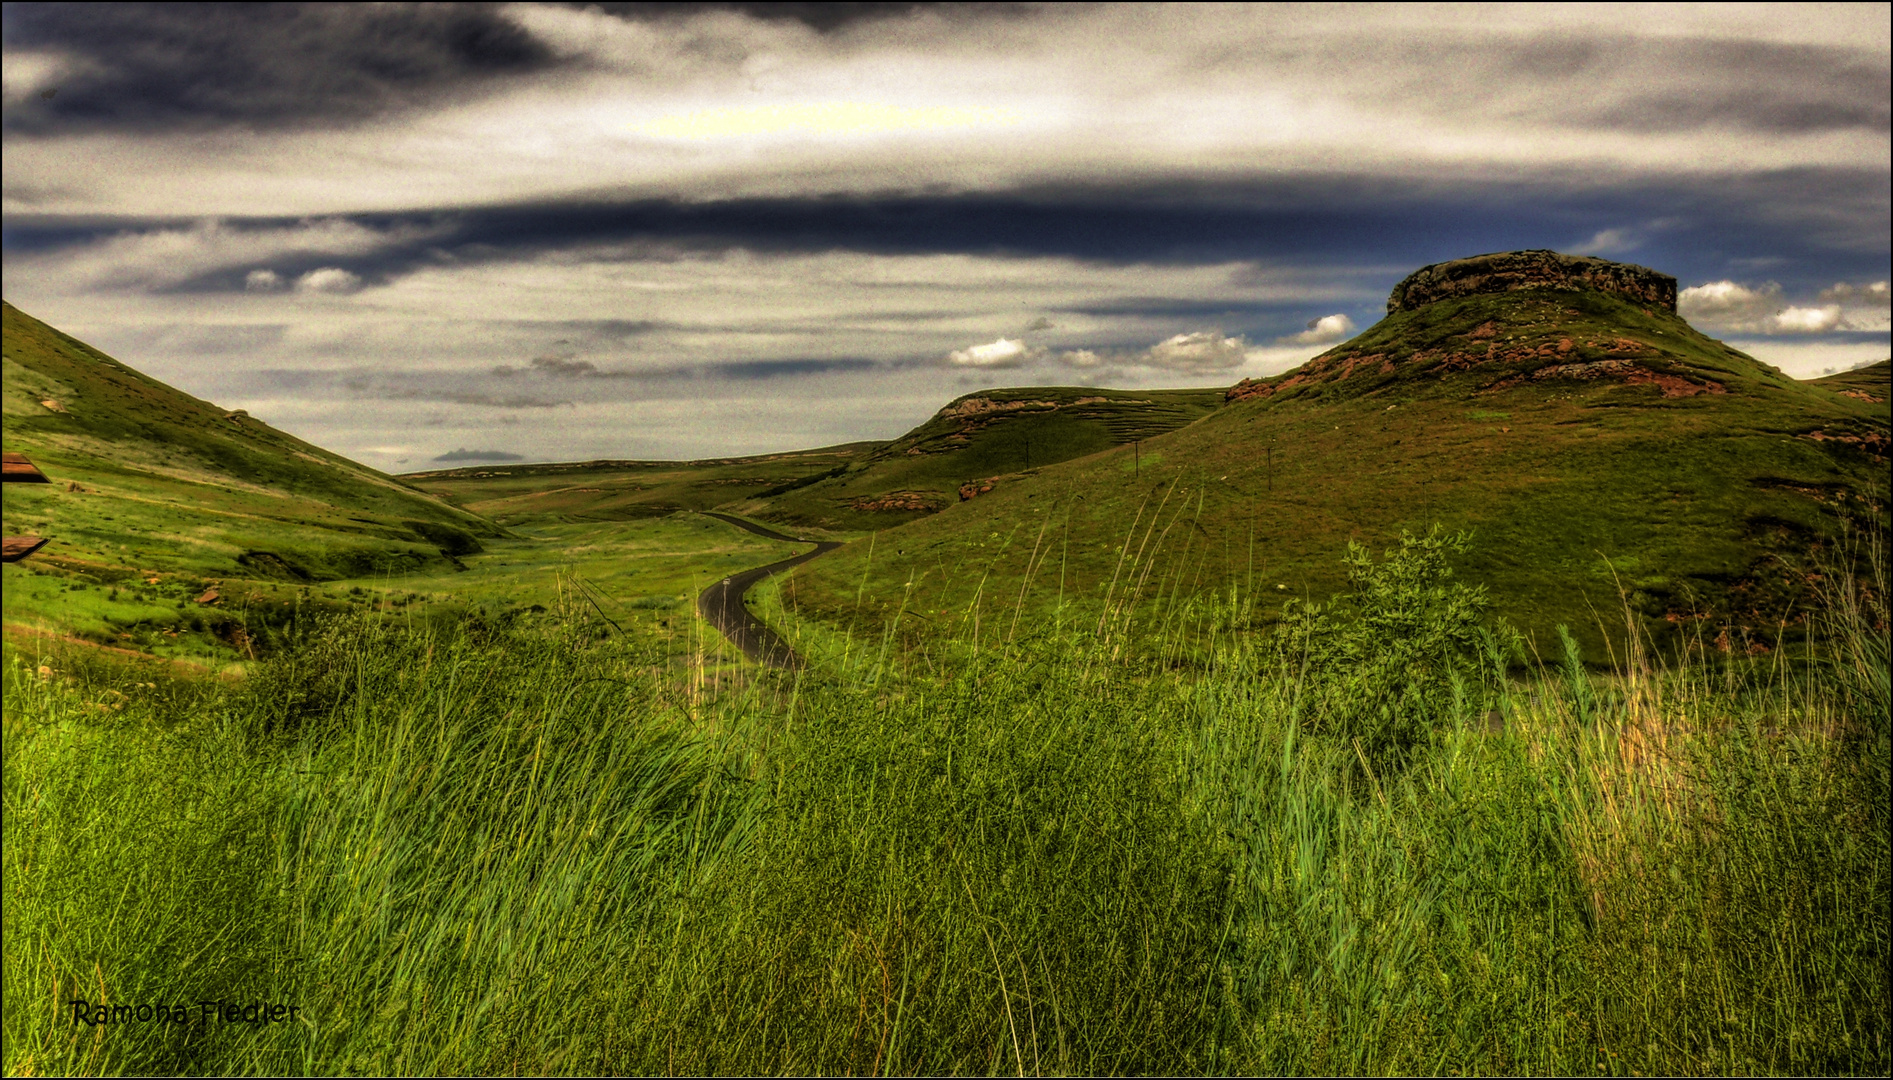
pixel 167 492
pixel 1589 437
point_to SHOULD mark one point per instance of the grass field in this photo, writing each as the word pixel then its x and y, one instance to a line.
pixel 641 576
pixel 533 848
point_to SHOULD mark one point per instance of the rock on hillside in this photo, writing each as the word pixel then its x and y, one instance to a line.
pixel 1511 271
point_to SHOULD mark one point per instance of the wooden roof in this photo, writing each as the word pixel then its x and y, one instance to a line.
pixel 15 548
pixel 15 469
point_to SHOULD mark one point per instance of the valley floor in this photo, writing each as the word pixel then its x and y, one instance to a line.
pixel 563 831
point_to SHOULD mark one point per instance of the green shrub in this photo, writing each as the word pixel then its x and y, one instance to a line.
pixel 1386 665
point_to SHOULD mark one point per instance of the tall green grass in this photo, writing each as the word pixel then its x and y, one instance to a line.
pixel 533 850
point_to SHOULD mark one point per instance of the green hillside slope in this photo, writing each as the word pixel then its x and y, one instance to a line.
pixel 1871 384
pixel 150 479
pixel 628 490
pixel 980 443
pixel 1591 440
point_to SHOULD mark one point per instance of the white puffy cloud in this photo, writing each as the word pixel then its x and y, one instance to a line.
pixel 1724 300
pixel 1843 292
pixel 1729 307
pixel 1198 352
pixel 1807 320
pixel 1863 307
pixel 1004 353
pixel 329 279
pixel 1328 328
pixel 262 281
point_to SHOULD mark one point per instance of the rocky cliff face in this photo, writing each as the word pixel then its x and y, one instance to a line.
pixel 1509 271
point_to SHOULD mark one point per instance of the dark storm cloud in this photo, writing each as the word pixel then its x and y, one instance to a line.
pixel 151 67
pixel 1814 224
pixel 824 18
pixel 1183 308
pixel 554 367
pixel 158 67
pixel 1784 89
pixel 478 455
pixel 545 382
pixel 401 386
pixel 777 369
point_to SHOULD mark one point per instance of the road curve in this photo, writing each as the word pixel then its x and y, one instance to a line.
pixel 722 603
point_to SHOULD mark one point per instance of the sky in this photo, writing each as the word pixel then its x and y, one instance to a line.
pixel 431 235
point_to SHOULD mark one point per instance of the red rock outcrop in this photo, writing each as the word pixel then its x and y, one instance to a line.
pixel 909 501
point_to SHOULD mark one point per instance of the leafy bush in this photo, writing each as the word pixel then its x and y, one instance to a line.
pixel 1384 665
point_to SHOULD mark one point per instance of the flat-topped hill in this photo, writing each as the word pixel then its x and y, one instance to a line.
pixel 1482 326
pixel 1511 271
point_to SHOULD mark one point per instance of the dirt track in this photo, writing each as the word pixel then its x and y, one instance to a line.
pixel 722 603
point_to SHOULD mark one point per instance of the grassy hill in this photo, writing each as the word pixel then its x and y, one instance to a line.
pixel 167 492
pixel 977 444
pixel 974 445
pixel 1590 441
pixel 1870 384
pixel 628 490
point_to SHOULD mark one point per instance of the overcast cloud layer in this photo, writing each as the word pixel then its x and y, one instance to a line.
pixel 419 234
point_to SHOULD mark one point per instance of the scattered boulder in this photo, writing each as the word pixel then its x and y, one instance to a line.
pixel 974 489
pixel 906 501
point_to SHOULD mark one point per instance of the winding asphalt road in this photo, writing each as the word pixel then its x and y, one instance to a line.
pixel 722 603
